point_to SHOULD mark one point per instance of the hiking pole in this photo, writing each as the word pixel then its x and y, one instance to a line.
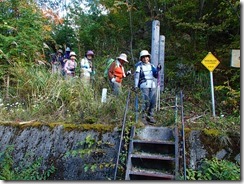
pixel 136 106
pixel 183 134
pixel 121 135
pixel 158 99
pixel 176 137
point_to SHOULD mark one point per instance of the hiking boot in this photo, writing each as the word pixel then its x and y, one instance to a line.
pixel 144 119
pixel 151 119
pixel 143 116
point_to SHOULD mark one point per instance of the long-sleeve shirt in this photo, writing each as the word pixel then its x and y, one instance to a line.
pixel 150 74
pixel 86 67
pixel 70 65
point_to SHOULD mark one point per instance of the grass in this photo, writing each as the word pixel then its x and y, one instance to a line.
pixel 35 94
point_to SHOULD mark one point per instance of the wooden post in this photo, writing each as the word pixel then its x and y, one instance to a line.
pixel 155 55
pixel 155 42
pixel 7 86
pixel 161 60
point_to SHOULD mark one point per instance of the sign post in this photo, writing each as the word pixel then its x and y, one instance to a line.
pixel 211 62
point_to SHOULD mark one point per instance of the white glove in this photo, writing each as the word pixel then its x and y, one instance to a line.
pixel 113 80
pixel 68 72
pixel 128 72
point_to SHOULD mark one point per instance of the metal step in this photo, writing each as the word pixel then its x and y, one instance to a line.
pixel 155 134
pixel 152 156
pixel 154 147
pixel 149 175
pixel 153 142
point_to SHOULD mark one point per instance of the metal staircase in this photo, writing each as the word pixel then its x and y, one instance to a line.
pixel 153 154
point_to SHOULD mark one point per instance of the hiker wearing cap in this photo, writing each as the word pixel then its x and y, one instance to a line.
pixel 116 73
pixel 57 62
pixel 86 67
pixel 67 53
pixel 146 75
pixel 70 65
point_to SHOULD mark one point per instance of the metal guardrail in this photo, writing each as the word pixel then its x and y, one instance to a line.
pixel 183 133
pixel 122 134
pixel 183 127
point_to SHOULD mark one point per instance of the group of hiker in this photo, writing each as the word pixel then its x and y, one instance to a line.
pixel 145 75
pixel 66 64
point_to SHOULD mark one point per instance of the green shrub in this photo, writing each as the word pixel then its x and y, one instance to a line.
pixel 24 170
pixel 215 169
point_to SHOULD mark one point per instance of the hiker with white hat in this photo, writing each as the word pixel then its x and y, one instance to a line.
pixel 116 73
pixel 145 79
pixel 70 65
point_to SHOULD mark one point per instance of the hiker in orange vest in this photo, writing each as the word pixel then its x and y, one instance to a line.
pixel 116 73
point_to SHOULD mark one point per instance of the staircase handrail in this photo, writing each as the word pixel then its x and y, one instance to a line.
pixel 122 134
pixel 183 132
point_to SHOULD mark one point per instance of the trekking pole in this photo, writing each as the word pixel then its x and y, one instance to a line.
pixel 121 135
pixel 136 106
pixel 176 137
pixel 183 134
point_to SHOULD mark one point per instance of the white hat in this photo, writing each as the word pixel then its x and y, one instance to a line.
pixel 72 54
pixel 144 53
pixel 123 57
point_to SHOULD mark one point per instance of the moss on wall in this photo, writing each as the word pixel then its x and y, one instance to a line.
pixel 67 126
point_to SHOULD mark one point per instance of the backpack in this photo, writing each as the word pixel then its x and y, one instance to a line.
pixel 142 78
pixel 108 63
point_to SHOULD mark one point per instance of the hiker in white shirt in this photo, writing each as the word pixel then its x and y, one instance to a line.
pixel 146 79
pixel 87 67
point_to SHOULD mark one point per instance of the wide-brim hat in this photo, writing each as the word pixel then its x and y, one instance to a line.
pixel 123 57
pixel 72 54
pixel 90 52
pixel 144 53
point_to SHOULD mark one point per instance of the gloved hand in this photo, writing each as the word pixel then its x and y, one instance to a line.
pixel 135 89
pixel 159 67
pixel 113 80
pixel 128 73
pixel 68 72
pixel 93 72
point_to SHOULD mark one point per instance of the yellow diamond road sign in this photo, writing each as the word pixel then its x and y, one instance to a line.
pixel 210 62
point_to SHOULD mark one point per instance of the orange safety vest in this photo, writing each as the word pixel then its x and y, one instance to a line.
pixel 116 71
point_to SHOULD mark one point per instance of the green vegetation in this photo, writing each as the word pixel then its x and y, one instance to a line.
pixel 25 170
pixel 28 35
pixel 215 169
pixel 93 153
pixel 30 92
